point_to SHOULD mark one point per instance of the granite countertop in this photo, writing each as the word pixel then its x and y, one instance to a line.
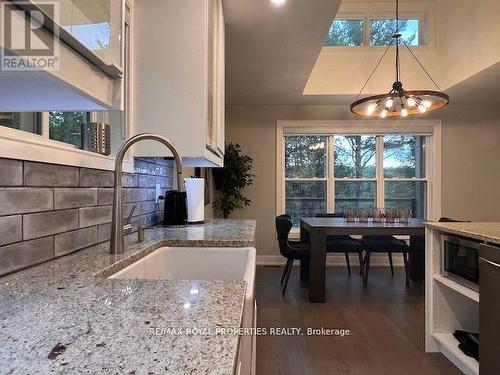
pixel 483 231
pixel 63 316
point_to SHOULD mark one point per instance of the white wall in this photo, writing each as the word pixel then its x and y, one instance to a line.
pixel 469 38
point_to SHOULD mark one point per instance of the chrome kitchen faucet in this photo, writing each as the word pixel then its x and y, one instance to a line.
pixel 117 225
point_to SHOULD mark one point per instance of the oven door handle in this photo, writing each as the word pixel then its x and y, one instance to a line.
pixel 490 262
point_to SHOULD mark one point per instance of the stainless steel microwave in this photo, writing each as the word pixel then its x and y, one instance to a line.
pixel 460 260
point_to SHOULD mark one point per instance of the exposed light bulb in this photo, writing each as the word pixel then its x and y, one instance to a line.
pixel 427 103
pixel 278 2
pixel 383 114
pixel 389 103
pixel 404 112
pixel 422 108
pixel 411 102
pixel 371 108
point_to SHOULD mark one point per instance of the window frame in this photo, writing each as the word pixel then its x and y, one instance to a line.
pixel 423 12
pixel 23 145
pixel 379 128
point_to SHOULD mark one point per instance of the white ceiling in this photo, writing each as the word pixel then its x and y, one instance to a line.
pixel 271 51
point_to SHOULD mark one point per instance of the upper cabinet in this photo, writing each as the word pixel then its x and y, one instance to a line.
pixel 95 27
pixel 62 55
pixel 178 78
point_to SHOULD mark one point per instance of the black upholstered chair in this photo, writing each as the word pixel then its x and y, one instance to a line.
pixel 344 244
pixel 385 244
pixel 290 250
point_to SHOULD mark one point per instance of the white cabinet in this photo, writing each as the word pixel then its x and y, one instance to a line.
pixel 179 78
pixel 74 71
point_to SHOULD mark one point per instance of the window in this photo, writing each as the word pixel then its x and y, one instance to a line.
pixel 330 173
pixel 354 172
pixel 382 31
pixel 374 31
pixel 26 121
pixel 305 175
pixel 404 173
pixel 66 126
pixel 346 33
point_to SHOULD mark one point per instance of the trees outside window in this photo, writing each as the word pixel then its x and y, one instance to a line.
pixel 305 174
pixel 26 121
pixel 66 126
pixel 382 31
pixel 341 172
pixel 345 33
pixel 351 32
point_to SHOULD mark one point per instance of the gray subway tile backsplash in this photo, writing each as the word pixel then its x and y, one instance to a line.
pixel 41 174
pixel 95 215
pixel 21 200
pixel 11 172
pixel 11 229
pixel 96 178
pixel 135 195
pixel 47 223
pixel 104 232
pixel 24 254
pixel 68 242
pixel 49 210
pixel 105 196
pixel 74 197
pixel 146 180
pixel 130 180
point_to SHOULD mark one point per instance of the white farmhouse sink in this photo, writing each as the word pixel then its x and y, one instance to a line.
pixel 205 263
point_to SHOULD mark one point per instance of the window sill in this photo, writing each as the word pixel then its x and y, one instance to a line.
pixel 16 144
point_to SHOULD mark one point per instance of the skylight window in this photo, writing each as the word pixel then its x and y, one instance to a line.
pixel 383 29
pixel 346 33
pixel 367 31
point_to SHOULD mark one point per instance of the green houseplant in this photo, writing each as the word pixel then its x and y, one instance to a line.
pixel 231 179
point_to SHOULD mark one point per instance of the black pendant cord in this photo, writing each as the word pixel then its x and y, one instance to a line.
pixel 397 36
pixel 373 71
pixel 423 68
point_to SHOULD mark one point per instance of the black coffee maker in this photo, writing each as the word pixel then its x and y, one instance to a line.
pixel 175 212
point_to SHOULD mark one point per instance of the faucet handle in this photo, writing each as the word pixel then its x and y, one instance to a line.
pixel 127 226
pixel 129 218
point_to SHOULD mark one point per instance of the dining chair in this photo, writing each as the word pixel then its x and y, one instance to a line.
pixel 344 244
pixel 385 244
pixel 289 249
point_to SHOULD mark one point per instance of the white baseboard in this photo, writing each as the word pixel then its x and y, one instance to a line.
pixel 335 260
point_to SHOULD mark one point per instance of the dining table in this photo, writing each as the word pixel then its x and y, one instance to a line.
pixel 315 230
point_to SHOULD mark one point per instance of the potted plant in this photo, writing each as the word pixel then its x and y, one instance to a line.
pixel 231 179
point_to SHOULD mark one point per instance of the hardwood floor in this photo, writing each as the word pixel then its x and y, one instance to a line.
pixel 386 321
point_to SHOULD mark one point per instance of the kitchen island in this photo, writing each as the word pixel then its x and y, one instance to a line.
pixel 452 304
pixel 65 316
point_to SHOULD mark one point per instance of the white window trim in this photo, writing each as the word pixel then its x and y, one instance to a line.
pixel 22 145
pixel 423 11
pixel 377 127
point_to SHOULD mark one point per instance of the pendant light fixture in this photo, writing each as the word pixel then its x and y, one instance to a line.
pixel 399 102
